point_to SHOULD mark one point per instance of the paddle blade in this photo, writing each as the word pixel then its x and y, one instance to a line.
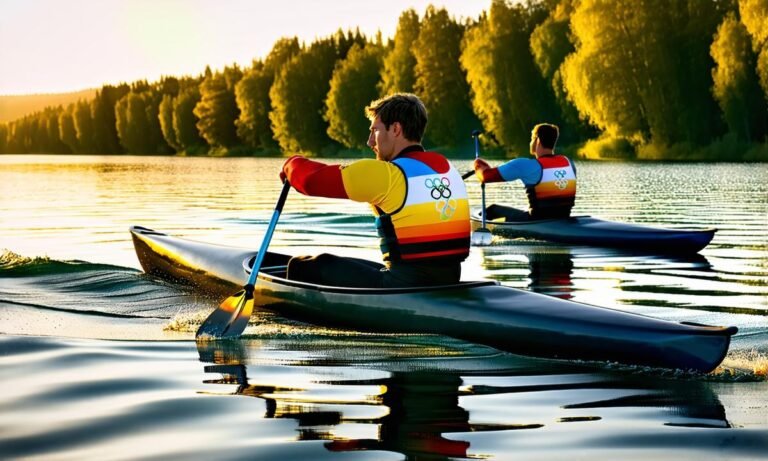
pixel 481 237
pixel 229 319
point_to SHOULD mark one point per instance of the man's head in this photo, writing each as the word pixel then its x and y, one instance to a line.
pixel 397 121
pixel 543 139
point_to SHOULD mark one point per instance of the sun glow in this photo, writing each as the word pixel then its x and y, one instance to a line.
pixel 67 46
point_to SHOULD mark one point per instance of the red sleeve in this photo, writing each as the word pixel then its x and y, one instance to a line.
pixel 314 178
pixel 492 175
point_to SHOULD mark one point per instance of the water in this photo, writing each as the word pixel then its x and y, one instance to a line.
pixel 97 359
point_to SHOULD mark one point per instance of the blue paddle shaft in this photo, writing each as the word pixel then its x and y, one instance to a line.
pixel 476 135
pixel 268 235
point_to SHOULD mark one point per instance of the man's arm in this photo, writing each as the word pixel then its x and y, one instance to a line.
pixel 485 173
pixel 370 181
pixel 314 178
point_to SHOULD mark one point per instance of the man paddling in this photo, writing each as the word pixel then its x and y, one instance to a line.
pixel 418 198
pixel 549 179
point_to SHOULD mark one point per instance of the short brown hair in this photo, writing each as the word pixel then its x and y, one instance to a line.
pixel 547 134
pixel 404 108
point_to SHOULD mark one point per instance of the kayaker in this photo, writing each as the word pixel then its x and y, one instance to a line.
pixel 549 179
pixel 417 196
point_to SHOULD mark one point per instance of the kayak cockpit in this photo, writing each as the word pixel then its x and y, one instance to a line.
pixel 276 272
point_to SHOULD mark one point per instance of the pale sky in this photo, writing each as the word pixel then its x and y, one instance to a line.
pixel 66 45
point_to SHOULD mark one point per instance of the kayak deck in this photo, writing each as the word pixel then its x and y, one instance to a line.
pixel 482 312
pixel 586 230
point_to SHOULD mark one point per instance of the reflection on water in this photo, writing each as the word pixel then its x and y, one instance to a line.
pixel 432 413
pixel 551 273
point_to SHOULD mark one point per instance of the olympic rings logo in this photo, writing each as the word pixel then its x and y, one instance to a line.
pixel 561 183
pixel 440 187
pixel 446 208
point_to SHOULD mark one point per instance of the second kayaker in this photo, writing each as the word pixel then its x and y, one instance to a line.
pixel 418 198
pixel 549 178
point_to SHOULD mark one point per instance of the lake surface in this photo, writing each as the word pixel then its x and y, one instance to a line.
pixel 98 361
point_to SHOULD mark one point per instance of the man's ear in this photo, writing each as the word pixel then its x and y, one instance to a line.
pixel 397 129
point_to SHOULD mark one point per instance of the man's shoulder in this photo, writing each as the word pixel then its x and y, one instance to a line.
pixel 434 161
pixel 368 166
pixel 525 169
pixel 522 163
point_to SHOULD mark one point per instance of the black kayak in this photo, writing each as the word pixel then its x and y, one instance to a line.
pixel 586 230
pixel 482 312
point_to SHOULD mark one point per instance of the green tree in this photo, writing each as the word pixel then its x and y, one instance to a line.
pixel 3 138
pixel 353 86
pixel 84 127
pixel 185 120
pixel 131 124
pixel 252 95
pixel 217 109
pixel 509 93
pixel 22 132
pixel 440 80
pixel 754 15
pixel 52 141
pixel 641 69
pixel 736 86
pixel 550 44
pixel 12 144
pixel 152 101
pixel 298 96
pixel 67 131
pixel 397 74
pixel 105 139
pixel 138 124
pixel 165 115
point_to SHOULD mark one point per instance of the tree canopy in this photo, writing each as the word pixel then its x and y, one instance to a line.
pixel 666 79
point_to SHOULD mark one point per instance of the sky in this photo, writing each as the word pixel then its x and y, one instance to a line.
pixel 50 46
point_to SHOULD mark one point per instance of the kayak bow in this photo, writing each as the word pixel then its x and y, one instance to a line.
pixel 483 312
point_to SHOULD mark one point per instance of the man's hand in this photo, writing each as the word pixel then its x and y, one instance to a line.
pixel 286 167
pixel 480 166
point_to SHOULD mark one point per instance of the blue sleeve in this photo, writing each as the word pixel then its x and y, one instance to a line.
pixel 527 170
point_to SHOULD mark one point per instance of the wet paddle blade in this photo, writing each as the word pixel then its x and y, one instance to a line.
pixel 238 324
pixel 481 237
pixel 229 319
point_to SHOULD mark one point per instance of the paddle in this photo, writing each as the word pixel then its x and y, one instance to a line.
pixel 481 236
pixel 231 317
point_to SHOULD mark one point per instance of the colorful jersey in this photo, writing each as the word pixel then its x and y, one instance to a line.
pixel 555 192
pixel 415 221
pixel 433 221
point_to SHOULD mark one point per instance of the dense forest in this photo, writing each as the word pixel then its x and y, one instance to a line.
pixel 627 79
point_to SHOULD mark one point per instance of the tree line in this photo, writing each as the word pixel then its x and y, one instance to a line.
pixel 649 79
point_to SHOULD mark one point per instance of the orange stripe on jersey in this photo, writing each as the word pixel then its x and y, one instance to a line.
pixel 435 254
pixel 551 189
pixel 448 227
pixel 429 238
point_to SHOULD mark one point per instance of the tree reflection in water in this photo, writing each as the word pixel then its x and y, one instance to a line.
pixel 418 412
